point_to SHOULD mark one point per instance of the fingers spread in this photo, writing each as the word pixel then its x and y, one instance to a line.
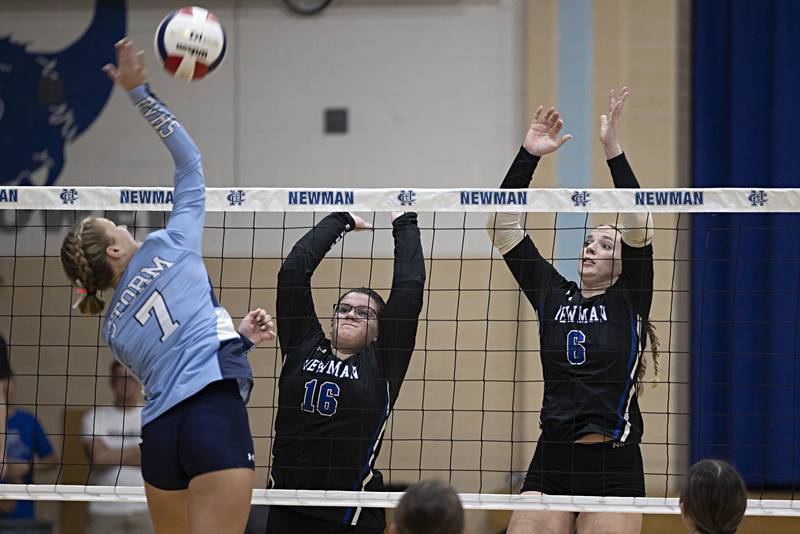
pixel 547 115
pixel 551 122
pixel 125 51
pixel 557 128
pixel 538 114
pixel 111 72
pixel 564 139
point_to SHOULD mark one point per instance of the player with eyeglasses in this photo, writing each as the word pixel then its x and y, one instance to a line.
pixel 335 393
pixel 362 313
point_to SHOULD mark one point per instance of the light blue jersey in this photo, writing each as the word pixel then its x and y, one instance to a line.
pixel 164 322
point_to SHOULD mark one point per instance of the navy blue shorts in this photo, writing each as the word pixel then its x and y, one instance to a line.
pixel 207 432
pixel 603 469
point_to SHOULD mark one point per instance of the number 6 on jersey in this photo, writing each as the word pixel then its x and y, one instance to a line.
pixel 157 305
pixel 576 352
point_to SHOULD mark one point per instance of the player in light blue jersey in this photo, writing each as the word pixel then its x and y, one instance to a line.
pixel 165 325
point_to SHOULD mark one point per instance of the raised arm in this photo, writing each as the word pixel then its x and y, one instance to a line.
pixel 296 317
pixel 534 274
pixel 636 229
pixel 188 213
pixel 397 331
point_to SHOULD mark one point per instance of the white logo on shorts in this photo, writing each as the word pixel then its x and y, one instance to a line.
pixel 251 457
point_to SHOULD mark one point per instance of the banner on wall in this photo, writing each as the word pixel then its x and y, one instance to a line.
pixel 47 99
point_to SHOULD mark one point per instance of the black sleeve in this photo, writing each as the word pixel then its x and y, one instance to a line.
pixel 297 320
pixel 520 173
pixel 397 332
pixel 534 274
pixel 636 278
pixel 621 173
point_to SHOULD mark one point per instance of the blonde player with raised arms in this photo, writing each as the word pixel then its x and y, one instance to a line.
pixel 592 336
pixel 165 326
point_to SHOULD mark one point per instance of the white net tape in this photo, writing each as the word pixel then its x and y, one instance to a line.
pixel 423 200
pixel 372 499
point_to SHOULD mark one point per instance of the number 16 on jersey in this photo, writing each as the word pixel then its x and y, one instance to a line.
pixel 576 352
pixel 326 400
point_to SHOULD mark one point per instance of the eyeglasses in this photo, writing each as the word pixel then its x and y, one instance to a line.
pixel 362 313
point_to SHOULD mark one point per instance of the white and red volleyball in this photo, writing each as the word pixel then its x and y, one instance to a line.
pixel 190 43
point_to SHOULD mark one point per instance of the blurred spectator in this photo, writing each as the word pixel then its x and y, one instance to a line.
pixel 27 449
pixel 111 436
pixel 713 498
pixel 429 507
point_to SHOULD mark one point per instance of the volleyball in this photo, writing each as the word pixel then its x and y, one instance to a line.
pixel 190 43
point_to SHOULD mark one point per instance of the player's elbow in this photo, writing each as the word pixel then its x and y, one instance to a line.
pixel 193 162
pixel 637 229
pixel 505 231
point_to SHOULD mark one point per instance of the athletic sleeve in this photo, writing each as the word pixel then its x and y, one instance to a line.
pixel 41 443
pixel 520 173
pixel 186 223
pixel 636 228
pixel 535 275
pixel 397 331
pixel 297 320
pixel 636 278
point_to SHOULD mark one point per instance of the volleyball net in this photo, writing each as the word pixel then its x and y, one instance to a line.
pixel 468 410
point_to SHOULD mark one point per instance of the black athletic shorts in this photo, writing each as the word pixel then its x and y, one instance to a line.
pixel 606 469
pixel 284 520
pixel 207 432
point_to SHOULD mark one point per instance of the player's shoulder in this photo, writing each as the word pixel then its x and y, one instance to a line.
pixel 566 293
pixel 157 248
pixel 159 239
pixel 317 343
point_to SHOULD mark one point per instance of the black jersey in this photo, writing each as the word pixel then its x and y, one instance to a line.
pixel 590 347
pixel 331 412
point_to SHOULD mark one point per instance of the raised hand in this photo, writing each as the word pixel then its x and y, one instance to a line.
pixel 257 326
pixel 542 137
pixel 609 124
pixel 130 71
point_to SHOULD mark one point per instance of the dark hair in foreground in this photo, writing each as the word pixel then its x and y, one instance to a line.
pixel 714 497
pixel 429 507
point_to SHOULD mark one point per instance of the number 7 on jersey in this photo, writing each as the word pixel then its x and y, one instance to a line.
pixel 157 305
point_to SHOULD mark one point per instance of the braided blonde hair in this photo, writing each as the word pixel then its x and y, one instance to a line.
pixel 83 256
